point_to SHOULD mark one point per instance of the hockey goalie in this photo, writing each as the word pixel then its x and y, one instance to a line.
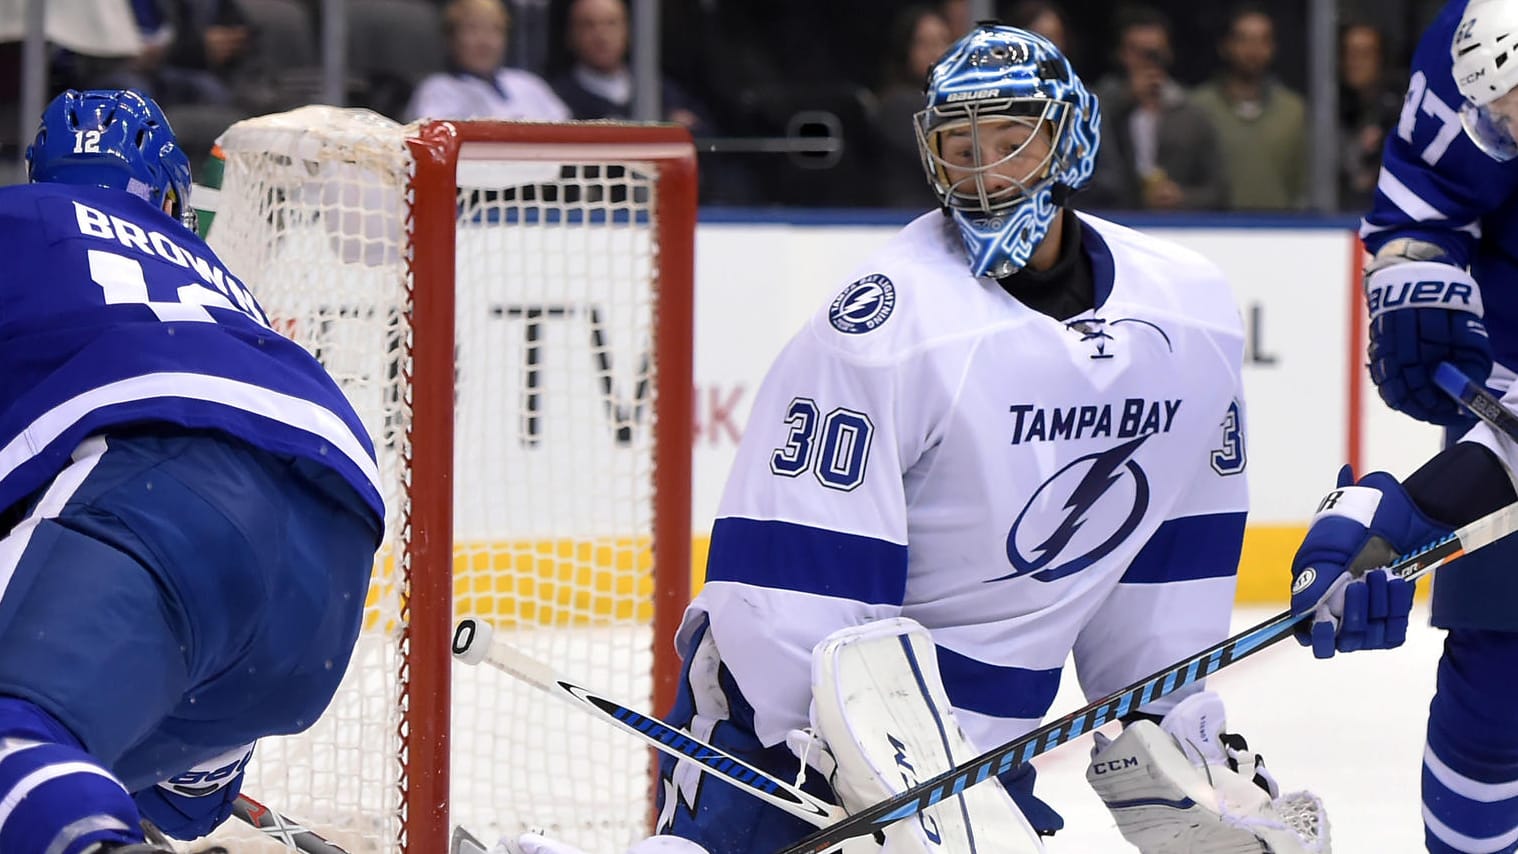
pixel 1023 428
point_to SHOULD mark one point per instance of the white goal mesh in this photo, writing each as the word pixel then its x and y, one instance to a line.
pixel 567 371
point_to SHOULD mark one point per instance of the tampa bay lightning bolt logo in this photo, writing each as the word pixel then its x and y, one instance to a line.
pixel 1105 478
pixel 863 305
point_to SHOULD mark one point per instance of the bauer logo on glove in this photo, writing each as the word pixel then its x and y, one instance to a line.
pixel 1424 309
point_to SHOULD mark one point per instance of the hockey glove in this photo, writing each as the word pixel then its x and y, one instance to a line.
pixel 1336 575
pixel 192 804
pixel 1423 311
pixel 1186 786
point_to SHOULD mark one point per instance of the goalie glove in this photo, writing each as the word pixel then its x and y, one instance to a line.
pixel 1186 787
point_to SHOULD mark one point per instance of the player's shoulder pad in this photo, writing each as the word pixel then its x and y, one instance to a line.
pixel 19 201
pixel 21 217
pixel 1168 276
pixel 53 204
pixel 913 291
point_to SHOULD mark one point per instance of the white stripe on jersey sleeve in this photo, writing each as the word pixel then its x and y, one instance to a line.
pixel 292 411
pixel 1405 199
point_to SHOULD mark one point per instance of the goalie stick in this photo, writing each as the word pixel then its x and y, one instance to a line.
pixel 474 641
pixel 1413 565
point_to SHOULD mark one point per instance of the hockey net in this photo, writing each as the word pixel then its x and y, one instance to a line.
pixel 508 306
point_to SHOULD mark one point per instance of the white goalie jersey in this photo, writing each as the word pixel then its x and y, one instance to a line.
pixel 929 447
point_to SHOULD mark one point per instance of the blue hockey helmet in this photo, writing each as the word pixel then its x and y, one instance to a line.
pixel 115 138
pixel 1007 133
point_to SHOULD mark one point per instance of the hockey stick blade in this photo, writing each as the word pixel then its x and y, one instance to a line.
pixel 465 842
pixel 1413 565
pixel 1476 399
pixel 281 828
pixel 153 835
pixel 474 642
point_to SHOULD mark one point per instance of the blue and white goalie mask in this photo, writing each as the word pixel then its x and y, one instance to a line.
pixel 1007 133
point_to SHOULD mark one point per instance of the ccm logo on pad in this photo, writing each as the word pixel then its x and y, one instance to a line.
pixel 1113 765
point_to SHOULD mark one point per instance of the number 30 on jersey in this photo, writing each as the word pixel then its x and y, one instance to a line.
pixel 835 447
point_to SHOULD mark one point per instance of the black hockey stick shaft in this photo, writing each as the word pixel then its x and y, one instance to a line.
pixel 282 829
pixel 1411 566
pixel 1476 399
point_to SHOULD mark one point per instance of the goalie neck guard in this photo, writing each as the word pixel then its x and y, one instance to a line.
pixel 1008 131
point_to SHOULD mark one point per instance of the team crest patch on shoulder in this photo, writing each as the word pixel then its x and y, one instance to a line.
pixel 863 305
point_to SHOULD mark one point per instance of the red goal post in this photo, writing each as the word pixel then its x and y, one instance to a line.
pixel 509 307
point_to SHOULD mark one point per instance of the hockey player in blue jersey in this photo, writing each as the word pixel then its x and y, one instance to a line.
pixel 189 503
pixel 1442 286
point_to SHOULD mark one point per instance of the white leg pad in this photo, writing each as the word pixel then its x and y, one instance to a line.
pixel 879 705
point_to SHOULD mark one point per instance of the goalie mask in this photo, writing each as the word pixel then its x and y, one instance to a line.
pixel 1008 132
pixel 1486 71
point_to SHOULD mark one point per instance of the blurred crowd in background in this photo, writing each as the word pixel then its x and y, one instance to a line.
pixel 1204 104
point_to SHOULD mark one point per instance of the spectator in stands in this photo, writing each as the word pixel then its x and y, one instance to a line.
pixel 1262 125
pixel 957 13
pixel 209 63
pixel 1159 150
pixel 191 52
pixel 478 85
pixel 919 35
pixel 600 84
pixel 1045 18
pixel 1369 103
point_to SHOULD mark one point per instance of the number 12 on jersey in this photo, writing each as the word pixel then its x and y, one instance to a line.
pixel 121 280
